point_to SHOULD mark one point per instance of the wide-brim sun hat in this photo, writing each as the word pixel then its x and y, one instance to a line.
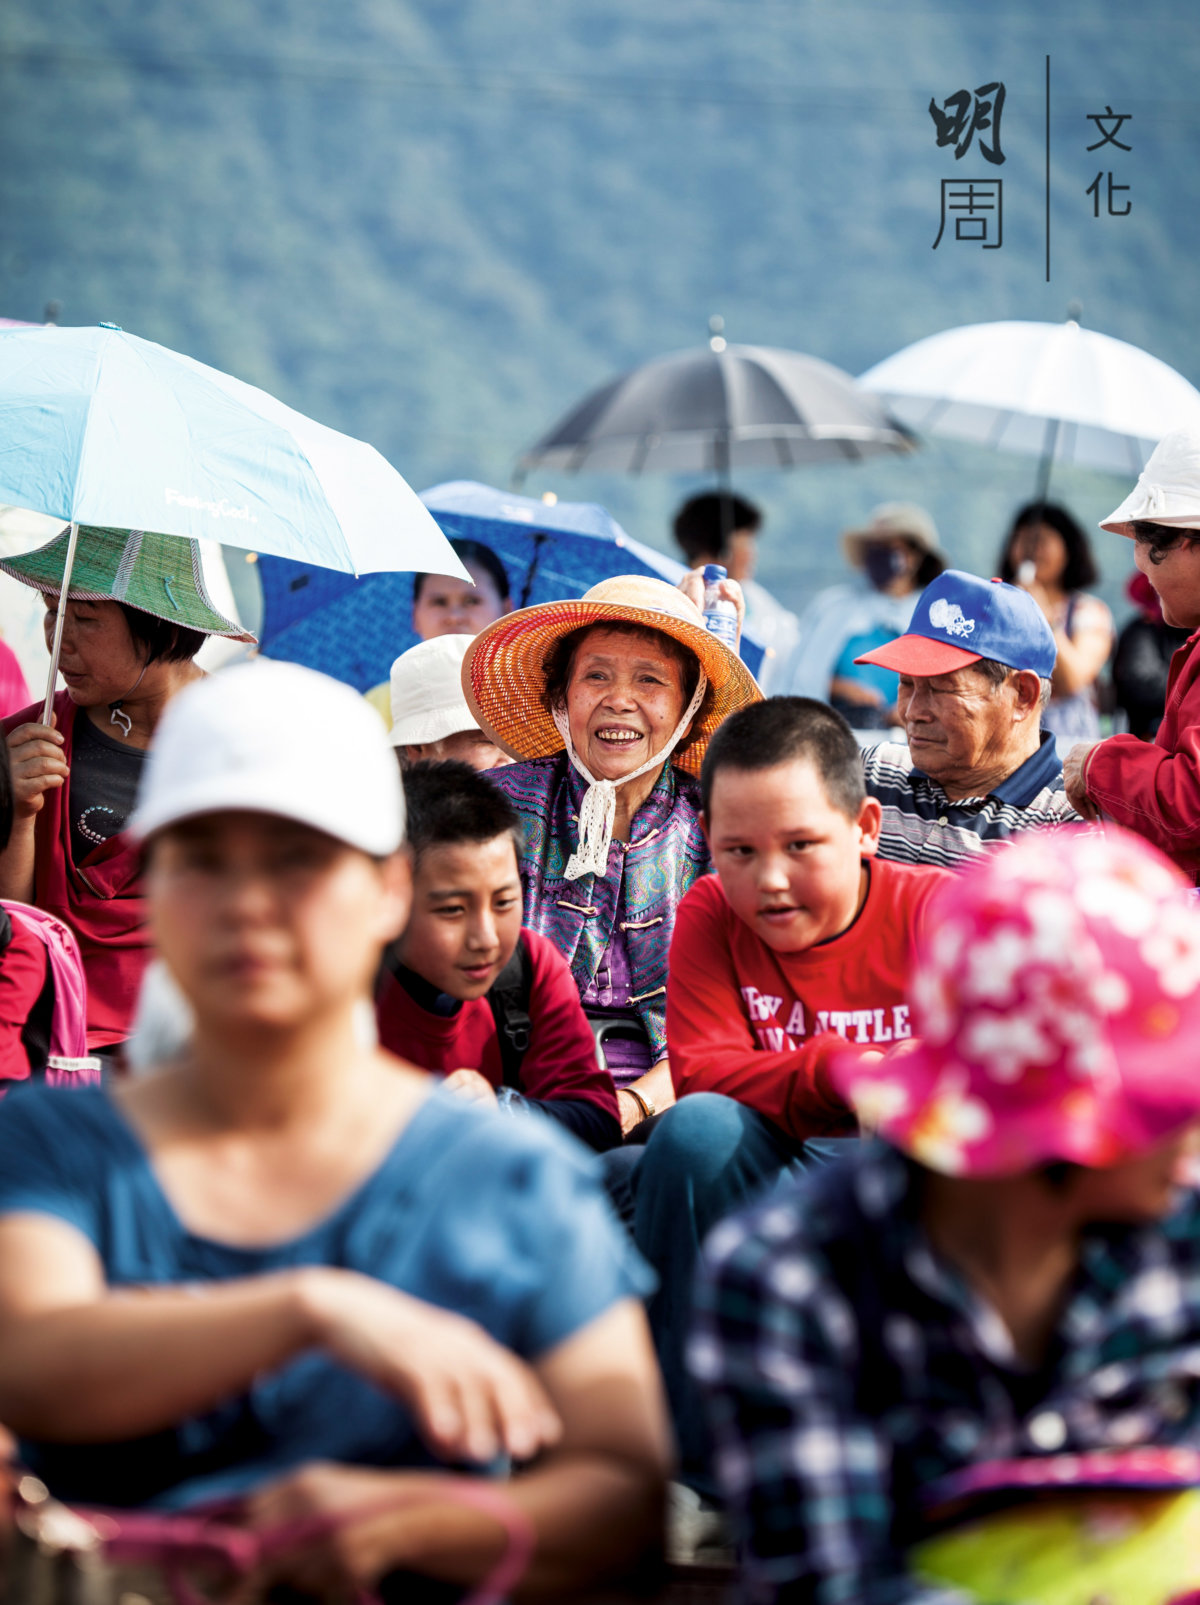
pixel 503 674
pixel 892 521
pixel 1056 1009
pixel 157 574
pixel 426 692
pixel 274 738
pixel 1168 488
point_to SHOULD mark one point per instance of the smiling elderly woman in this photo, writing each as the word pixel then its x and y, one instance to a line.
pixel 610 701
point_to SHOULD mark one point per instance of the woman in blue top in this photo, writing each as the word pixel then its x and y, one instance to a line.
pixel 282 1267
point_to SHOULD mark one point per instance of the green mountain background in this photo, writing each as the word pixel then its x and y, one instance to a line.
pixel 436 225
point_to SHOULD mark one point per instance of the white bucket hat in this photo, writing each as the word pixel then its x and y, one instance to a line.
pixel 1168 488
pixel 427 695
pixel 273 738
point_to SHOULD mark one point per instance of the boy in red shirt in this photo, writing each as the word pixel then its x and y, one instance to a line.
pixel 801 941
pixel 793 954
pixel 469 993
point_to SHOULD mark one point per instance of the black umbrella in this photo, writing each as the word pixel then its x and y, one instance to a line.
pixel 716 409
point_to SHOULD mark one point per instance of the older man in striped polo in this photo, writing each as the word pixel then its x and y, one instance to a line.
pixel 974 667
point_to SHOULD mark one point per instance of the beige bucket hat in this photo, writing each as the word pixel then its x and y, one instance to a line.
pixel 892 521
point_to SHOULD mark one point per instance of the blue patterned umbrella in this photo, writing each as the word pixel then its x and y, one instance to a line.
pixel 353 629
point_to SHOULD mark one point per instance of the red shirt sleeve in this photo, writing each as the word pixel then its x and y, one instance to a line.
pixel 1148 790
pixel 561 1058
pixel 22 977
pixel 709 1037
pixel 1155 789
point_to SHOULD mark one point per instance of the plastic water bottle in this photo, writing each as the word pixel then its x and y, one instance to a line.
pixel 720 614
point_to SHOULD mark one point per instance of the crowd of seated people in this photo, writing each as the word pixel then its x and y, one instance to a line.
pixel 606 1077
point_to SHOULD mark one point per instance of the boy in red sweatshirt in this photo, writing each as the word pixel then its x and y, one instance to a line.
pixel 469 993
pixel 794 953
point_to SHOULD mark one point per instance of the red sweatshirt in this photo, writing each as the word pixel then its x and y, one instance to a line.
pixel 1154 789
pixel 100 899
pixel 560 1061
pixel 762 1026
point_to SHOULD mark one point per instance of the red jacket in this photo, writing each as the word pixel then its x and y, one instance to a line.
pixel 561 1060
pixel 762 1026
pixel 1155 789
pixel 100 899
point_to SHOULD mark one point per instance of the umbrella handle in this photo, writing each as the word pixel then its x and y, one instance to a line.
pixel 59 620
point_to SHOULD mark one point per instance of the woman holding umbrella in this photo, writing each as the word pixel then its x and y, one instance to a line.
pixel 609 701
pixel 138 612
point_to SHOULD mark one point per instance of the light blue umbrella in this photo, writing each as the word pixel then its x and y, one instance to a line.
pixel 354 629
pixel 100 427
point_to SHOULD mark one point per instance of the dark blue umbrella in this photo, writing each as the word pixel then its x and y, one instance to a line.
pixel 352 628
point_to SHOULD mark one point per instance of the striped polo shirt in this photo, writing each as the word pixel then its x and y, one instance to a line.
pixel 922 826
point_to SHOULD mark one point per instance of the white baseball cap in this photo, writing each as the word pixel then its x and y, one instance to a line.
pixel 428 703
pixel 273 738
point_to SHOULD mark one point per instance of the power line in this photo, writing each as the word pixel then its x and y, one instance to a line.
pixel 559 86
pixel 858 104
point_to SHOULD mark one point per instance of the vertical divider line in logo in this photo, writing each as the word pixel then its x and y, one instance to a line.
pixel 1047 169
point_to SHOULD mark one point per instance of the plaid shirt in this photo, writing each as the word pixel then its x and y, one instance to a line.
pixel 847 1369
pixel 922 826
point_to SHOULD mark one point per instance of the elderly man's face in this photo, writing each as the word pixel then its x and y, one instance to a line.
pixel 960 725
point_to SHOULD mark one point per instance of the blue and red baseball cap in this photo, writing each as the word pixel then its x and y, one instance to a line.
pixel 961 619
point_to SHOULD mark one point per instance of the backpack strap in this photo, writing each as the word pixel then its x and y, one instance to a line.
pixel 510 995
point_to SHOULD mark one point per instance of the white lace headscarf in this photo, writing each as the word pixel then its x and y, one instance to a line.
pixel 598 811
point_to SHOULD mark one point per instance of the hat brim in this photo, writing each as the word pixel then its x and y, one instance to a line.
pixel 1075 1127
pixel 1122 521
pixel 261 794
pixel 917 654
pixel 42 570
pixel 503 675
pixel 435 724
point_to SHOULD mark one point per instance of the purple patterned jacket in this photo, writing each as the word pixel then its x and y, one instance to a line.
pixel 647 877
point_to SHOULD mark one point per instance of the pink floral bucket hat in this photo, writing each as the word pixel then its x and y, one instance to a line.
pixel 1056 1012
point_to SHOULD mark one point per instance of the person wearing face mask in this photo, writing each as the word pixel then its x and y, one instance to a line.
pixel 897 555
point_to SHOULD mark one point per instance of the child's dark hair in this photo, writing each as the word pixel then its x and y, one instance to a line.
pixel 449 803
pixel 483 557
pixel 780 730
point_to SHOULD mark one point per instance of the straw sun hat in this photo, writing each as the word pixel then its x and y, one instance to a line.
pixel 157 574
pixel 503 674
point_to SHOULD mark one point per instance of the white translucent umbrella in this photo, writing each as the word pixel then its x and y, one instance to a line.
pixel 101 428
pixel 1055 390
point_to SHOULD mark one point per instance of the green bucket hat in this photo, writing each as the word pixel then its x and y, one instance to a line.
pixel 158 574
